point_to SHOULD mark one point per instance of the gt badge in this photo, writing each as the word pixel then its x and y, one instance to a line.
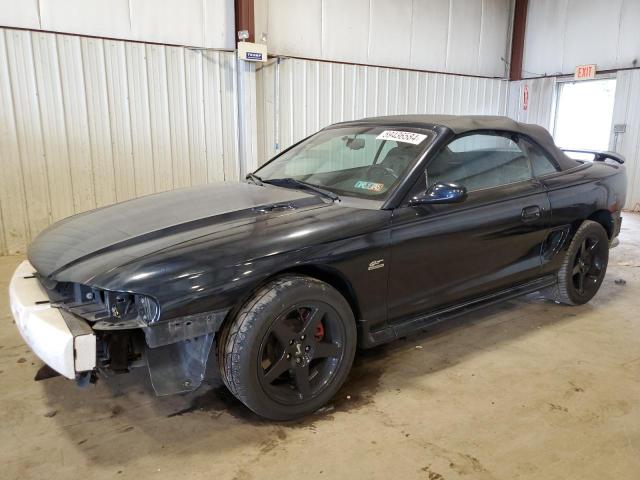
pixel 376 264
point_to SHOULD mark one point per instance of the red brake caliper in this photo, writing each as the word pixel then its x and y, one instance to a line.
pixel 319 333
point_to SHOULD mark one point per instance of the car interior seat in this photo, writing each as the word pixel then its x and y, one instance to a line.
pixel 399 158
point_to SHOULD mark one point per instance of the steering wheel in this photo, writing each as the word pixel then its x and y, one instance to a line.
pixel 386 170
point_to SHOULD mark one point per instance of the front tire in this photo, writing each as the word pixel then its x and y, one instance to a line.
pixel 289 349
pixel 584 265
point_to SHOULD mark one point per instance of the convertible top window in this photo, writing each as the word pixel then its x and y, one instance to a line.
pixel 360 161
pixel 541 163
pixel 480 161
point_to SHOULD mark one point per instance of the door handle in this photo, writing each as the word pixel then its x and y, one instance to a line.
pixel 531 214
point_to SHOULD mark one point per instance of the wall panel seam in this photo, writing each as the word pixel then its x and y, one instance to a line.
pixel 41 140
pixel 27 225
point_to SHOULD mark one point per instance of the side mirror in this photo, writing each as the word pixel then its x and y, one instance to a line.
pixel 441 193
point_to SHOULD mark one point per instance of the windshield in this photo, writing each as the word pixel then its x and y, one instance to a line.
pixel 362 161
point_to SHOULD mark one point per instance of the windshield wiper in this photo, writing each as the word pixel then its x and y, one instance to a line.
pixel 255 178
pixel 284 182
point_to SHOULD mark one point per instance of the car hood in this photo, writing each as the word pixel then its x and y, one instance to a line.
pixel 114 235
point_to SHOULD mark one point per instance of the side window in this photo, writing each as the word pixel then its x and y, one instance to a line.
pixel 542 165
pixel 480 161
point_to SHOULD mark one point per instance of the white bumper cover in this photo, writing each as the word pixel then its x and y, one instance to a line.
pixel 44 328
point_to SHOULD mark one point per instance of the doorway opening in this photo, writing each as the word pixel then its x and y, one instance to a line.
pixel 584 113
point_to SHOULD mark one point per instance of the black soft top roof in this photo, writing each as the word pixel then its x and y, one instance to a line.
pixel 460 124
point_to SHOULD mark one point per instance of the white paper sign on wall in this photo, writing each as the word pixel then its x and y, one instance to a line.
pixel 252 52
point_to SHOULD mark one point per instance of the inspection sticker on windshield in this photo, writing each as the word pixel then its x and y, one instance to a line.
pixel 399 136
pixel 372 187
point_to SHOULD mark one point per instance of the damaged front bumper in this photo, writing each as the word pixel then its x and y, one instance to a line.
pixel 65 343
pixel 175 351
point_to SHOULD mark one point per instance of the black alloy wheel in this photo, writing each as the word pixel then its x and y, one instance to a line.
pixel 301 352
pixel 584 265
pixel 289 348
pixel 588 266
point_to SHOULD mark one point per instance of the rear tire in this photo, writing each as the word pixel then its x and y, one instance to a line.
pixel 584 265
pixel 289 348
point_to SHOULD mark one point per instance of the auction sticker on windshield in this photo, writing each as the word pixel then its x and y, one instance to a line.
pixel 371 186
pixel 400 136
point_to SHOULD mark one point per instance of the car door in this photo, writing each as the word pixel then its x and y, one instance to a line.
pixel 445 254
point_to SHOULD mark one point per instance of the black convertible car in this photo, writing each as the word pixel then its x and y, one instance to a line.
pixel 364 232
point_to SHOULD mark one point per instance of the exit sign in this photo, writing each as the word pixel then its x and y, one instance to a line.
pixel 584 72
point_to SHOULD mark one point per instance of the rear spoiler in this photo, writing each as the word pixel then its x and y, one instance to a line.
pixel 599 156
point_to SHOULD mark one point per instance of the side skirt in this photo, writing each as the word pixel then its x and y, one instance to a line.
pixel 370 339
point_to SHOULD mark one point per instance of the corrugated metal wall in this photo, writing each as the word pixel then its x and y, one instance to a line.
pixel 627 111
pixel 541 103
pixel 86 122
pixel 562 34
pixel 468 37
pixel 314 94
pixel 195 23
